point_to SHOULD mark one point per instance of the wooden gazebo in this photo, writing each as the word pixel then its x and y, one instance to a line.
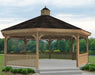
pixel 44 27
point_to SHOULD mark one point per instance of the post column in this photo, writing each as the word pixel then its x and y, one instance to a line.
pixel 5 50
pixel 72 49
pixel 87 44
pixel 77 49
pixel 37 50
pixel 25 45
pixel 49 42
pixel 87 47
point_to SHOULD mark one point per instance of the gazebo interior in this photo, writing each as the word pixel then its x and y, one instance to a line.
pixel 44 27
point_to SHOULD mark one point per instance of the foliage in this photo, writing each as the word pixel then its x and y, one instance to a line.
pixel 29 51
pixel 12 51
pixel 56 51
pixel 89 67
pixel 2 52
pixel 1 44
pixel 14 71
pixel 21 51
pixel 91 52
pixel 19 70
pixel 82 46
pixel 24 71
pixel 30 70
pixel 47 51
pixel 92 45
pixel 62 45
pixel 6 69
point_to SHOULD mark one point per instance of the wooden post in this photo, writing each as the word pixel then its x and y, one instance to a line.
pixel 87 47
pixel 72 49
pixel 77 49
pixel 87 44
pixel 5 50
pixel 25 45
pixel 37 50
pixel 49 42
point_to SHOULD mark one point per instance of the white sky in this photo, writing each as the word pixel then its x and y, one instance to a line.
pixel 80 13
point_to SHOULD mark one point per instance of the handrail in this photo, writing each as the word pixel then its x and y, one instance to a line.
pixel 83 54
pixel 43 52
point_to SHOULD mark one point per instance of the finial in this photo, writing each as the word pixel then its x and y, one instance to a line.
pixel 45 6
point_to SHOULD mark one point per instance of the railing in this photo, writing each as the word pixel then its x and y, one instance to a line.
pixel 58 55
pixel 52 55
pixel 83 58
pixel 29 59
pixel 21 60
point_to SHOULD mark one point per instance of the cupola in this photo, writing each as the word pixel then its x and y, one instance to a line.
pixel 45 11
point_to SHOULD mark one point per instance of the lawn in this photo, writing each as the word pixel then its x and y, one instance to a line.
pixel 91 60
pixel 1 65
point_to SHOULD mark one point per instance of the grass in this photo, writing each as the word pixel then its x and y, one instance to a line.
pixel 91 60
pixel 2 65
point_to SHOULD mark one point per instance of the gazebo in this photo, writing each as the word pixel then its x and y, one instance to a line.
pixel 43 27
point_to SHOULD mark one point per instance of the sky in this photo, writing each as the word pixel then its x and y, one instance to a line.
pixel 80 13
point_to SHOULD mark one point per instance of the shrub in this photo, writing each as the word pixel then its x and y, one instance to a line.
pixel 30 70
pixel 89 67
pixel 29 51
pixel 20 70
pixel 21 51
pixel 39 50
pixel 2 52
pixel 12 52
pixel 14 71
pixel 47 51
pixel 56 51
pixel 6 69
pixel 24 71
pixel 82 52
pixel 86 67
pixel 91 52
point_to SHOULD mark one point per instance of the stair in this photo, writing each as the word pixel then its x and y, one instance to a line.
pixel 65 71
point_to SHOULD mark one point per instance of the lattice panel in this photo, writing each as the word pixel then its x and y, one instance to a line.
pixel 21 60
pixel 83 59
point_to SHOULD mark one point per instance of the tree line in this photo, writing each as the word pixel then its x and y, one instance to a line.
pixel 62 45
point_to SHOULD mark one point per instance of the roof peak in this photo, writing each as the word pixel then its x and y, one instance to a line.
pixel 45 11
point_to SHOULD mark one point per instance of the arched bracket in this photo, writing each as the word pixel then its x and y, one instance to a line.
pixel 39 36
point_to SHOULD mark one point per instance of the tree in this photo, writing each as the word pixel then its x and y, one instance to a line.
pixel 62 45
pixel 1 44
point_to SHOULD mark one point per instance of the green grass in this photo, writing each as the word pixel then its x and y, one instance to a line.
pixel 91 60
pixel 2 65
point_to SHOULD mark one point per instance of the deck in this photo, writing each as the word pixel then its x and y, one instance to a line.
pixel 56 64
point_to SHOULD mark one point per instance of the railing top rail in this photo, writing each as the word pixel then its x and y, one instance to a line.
pixel 83 54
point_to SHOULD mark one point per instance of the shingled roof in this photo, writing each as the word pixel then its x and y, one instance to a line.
pixel 43 21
